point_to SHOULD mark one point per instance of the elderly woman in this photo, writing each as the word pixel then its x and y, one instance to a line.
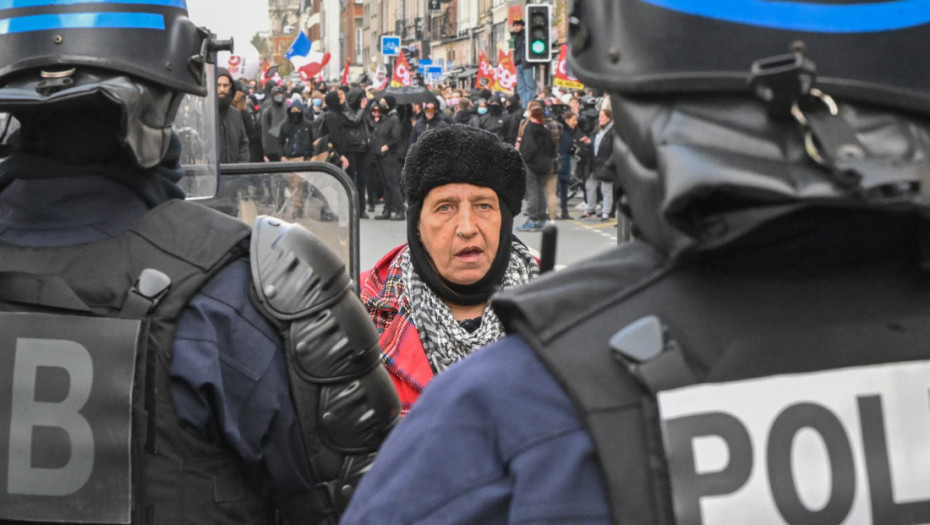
pixel 429 297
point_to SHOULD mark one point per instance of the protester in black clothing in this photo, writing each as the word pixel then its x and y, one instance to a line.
pixel 567 148
pixel 385 141
pixel 539 149
pixel 512 119
pixel 273 117
pixel 463 112
pixel 357 144
pixel 297 138
pixel 253 113
pixel 405 117
pixel 232 138
pixel 492 119
pixel 331 135
pixel 430 120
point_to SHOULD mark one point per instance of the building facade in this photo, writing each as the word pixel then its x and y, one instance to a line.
pixel 449 33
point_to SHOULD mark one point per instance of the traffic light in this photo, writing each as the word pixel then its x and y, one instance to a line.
pixel 537 33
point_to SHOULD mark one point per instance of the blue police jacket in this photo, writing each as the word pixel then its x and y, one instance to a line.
pixel 515 452
pixel 229 376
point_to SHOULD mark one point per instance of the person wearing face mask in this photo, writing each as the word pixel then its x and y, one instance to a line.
pixel 480 108
pixel 296 134
pixel 452 101
pixel 233 139
pixel 316 106
pixel 490 116
pixel 273 117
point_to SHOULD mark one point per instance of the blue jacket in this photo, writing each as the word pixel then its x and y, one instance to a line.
pixel 482 466
pixel 229 377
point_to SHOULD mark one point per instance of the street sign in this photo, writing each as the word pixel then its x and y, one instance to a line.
pixel 433 74
pixel 423 64
pixel 434 6
pixel 390 46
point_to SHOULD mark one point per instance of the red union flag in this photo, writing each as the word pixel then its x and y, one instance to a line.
pixel 401 72
pixel 506 73
pixel 486 75
pixel 562 77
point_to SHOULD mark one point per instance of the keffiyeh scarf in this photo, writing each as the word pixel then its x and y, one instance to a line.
pixel 444 340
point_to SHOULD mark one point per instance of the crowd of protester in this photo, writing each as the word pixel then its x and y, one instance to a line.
pixel 368 134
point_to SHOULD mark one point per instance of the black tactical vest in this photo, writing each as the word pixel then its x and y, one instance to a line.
pixel 766 337
pixel 73 316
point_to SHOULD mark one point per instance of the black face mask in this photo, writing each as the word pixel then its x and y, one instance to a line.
pixel 295 118
pixel 495 109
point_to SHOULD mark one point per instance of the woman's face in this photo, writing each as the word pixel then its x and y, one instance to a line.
pixel 603 118
pixel 460 227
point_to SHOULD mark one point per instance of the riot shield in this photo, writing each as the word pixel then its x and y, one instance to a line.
pixel 196 127
pixel 316 195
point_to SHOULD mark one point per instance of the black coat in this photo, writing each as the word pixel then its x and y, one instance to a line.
pixel 538 148
pixel 423 125
pixel 387 132
pixel 603 158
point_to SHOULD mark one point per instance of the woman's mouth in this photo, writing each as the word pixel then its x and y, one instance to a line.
pixel 470 254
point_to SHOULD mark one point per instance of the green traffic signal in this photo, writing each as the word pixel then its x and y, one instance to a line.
pixel 538 32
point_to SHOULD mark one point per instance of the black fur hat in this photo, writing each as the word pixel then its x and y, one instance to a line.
pixel 461 153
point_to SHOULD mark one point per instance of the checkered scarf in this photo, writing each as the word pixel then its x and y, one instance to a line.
pixel 445 341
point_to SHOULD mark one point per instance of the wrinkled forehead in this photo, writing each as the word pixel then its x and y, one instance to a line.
pixel 460 191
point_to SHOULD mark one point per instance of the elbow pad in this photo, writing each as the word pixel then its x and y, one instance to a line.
pixel 345 400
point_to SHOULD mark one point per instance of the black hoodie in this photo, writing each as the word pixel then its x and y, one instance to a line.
pixel 332 122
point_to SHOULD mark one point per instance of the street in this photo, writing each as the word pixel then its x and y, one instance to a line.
pixel 577 239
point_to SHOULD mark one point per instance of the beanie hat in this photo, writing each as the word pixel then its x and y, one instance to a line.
pixel 464 154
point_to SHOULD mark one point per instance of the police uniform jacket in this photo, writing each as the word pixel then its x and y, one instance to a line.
pixel 229 381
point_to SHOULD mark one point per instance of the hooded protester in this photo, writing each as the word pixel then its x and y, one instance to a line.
pixel 232 138
pixel 492 119
pixel 330 142
pixel 253 112
pixel 385 142
pixel 296 134
pixel 512 119
pixel 356 136
pixel 273 117
pixel 429 297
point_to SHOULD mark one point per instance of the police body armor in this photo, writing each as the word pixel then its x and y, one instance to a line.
pixel 750 385
pixel 92 434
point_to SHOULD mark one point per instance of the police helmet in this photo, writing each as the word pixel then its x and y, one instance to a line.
pixel 866 50
pixel 734 105
pixel 142 56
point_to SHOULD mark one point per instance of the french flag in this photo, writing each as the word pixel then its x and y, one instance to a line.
pixel 308 63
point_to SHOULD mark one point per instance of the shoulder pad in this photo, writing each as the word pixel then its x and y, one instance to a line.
pixel 294 272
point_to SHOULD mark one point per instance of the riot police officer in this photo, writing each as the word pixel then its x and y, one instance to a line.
pixel 160 362
pixel 759 354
